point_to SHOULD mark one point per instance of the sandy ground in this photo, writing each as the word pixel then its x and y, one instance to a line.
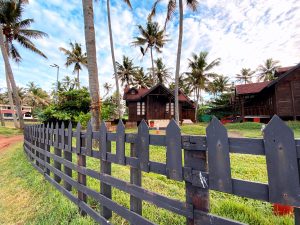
pixel 7 141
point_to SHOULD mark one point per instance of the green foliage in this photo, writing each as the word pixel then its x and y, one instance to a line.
pixel 109 108
pixel 220 106
pixel 72 105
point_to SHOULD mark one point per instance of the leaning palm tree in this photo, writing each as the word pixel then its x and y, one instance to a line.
pixel 113 54
pixel 90 41
pixel 107 87
pixel 161 72
pixel 152 37
pixel 126 71
pixel 15 29
pixel 199 74
pixel 267 70
pixel 171 8
pixel 140 79
pixel 245 75
pixel 75 57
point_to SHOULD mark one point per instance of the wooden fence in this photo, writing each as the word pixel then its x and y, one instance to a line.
pixel 206 166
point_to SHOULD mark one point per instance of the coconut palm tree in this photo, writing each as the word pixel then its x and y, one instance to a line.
pixel 199 74
pixel 161 73
pixel 36 96
pixel 90 41
pixel 267 70
pixel 152 37
pixel 113 53
pixel 107 87
pixel 219 85
pixel 75 57
pixel 15 29
pixel 171 9
pixel 140 79
pixel 245 75
pixel 126 71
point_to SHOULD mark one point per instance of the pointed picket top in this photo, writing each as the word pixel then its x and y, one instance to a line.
pixel 47 134
pixel 174 151
pixel 56 132
pixel 143 145
pixel 70 136
pixel 120 143
pixel 88 138
pixel 214 125
pixel 282 163
pixel 78 137
pixel 276 125
pixel 43 133
pixel 62 128
pixel 103 140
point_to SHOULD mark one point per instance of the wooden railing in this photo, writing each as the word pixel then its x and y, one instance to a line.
pixel 206 166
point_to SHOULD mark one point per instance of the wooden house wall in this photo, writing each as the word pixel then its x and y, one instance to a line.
pixel 288 95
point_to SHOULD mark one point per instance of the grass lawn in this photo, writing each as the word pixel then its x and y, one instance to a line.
pixel 7 132
pixel 26 198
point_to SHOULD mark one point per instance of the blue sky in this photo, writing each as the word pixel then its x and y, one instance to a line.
pixel 243 33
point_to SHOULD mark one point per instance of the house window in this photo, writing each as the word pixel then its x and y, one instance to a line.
pixel 140 108
pixel 8 115
pixel 172 108
pixel 168 108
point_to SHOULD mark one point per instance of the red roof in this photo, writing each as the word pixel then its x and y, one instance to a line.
pixel 282 70
pixel 252 88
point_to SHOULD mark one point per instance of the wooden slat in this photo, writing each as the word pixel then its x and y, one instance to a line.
pixel 174 153
pixel 209 219
pixel 218 157
pixel 142 143
pixel 78 139
pixel 247 146
pixel 120 145
pixel 282 164
pixel 103 140
pixel 88 139
pixel 68 156
pixel 57 151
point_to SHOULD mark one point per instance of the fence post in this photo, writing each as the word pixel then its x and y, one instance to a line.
pixel 81 162
pixel 68 155
pixel 197 196
pixel 42 144
pixel 105 167
pixel 57 151
pixel 47 147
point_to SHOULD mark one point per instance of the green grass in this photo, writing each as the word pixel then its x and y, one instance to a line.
pixel 7 132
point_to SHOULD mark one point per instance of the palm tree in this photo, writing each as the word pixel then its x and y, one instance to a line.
pixel 107 87
pixel 171 8
pixel 126 71
pixel 219 85
pixel 68 83
pixel 13 28
pixel 151 37
pixel 161 73
pixel 113 53
pixel 140 79
pixel 245 75
pixel 267 70
pixel 90 41
pixel 75 57
pixel 199 74
pixel 36 96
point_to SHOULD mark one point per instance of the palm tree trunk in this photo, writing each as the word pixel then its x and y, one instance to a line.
pixel 153 75
pixel 10 98
pixel 78 82
pixel 11 78
pixel 178 60
pixel 90 42
pixel 113 59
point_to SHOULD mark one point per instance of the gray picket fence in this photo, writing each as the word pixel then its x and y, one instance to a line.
pixel 206 166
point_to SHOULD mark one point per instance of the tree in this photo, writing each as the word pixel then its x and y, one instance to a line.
pixel 36 96
pixel 113 53
pixel 14 28
pixel 107 87
pixel 89 31
pixel 219 85
pixel 151 37
pixel 161 73
pixel 75 57
pixel 199 74
pixel 267 70
pixel 140 79
pixel 245 75
pixel 126 71
pixel 171 8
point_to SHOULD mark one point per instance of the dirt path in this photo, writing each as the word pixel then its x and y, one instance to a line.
pixel 7 141
pixel 235 134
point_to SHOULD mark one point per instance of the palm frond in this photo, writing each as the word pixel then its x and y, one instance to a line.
pixel 25 42
pixel 153 10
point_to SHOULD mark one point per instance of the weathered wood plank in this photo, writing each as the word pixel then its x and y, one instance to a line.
pixel 218 157
pixel 142 143
pixel 68 157
pixel 103 140
pixel 89 139
pixel 57 151
pixel 120 145
pixel 174 152
pixel 209 219
pixel 282 163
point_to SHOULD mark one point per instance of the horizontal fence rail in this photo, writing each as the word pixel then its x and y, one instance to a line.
pixel 202 162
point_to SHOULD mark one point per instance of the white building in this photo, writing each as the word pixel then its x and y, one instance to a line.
pixel 8 112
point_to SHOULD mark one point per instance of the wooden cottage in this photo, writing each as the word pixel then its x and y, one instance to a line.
pixel 280 96
pixel 156 103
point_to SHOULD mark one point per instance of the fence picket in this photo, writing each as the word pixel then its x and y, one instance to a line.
pixel 89 139
pixel 143 146
pixel 120 143
pixel 218 157
pixel 282 163
pixel 174 153
pixel 103 140
pixel 57 151
pixel 68 156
